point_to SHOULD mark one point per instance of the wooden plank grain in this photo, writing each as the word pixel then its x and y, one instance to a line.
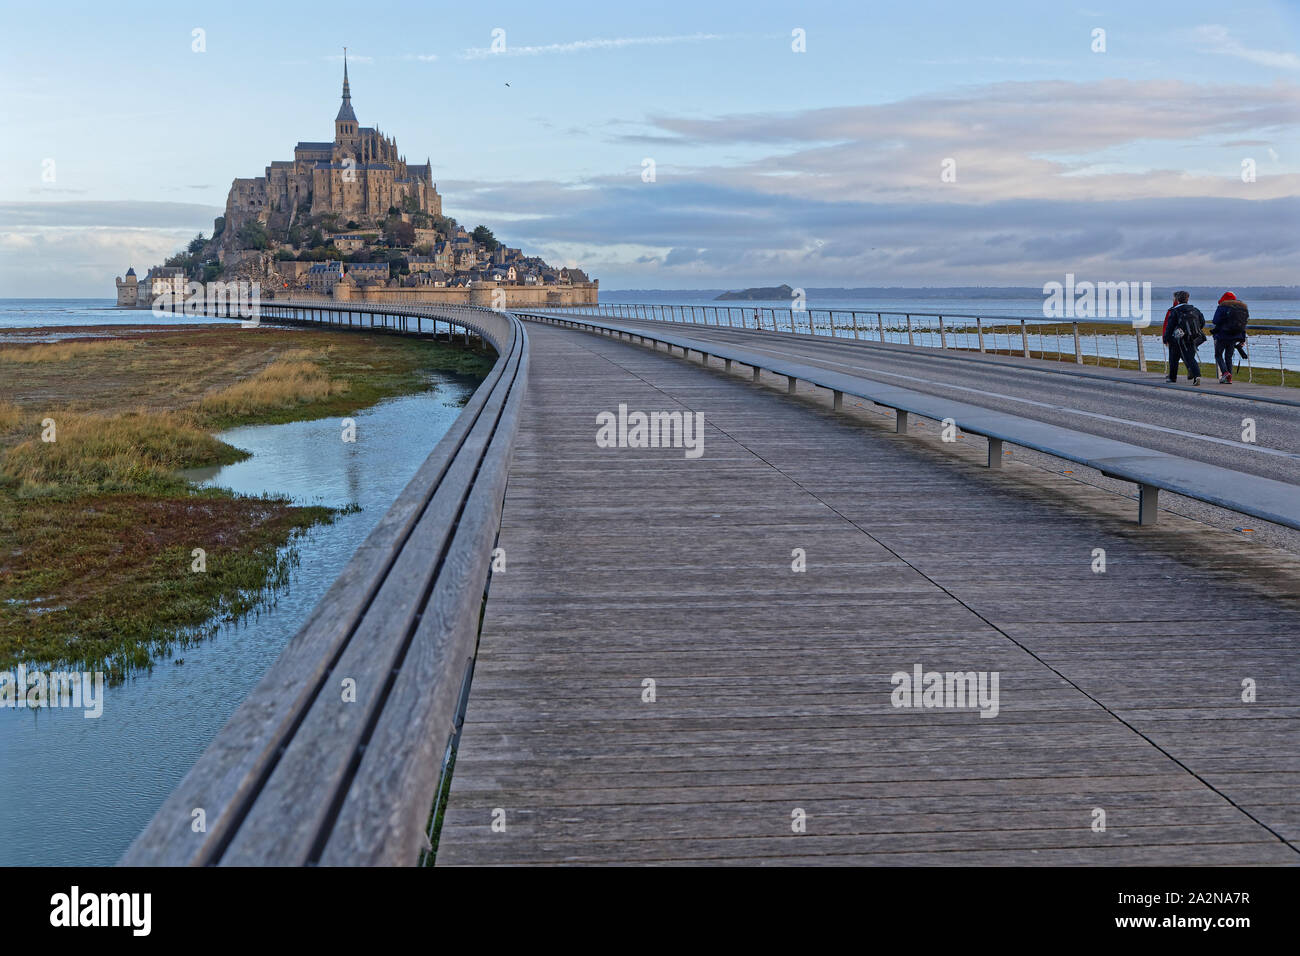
pixel 774 686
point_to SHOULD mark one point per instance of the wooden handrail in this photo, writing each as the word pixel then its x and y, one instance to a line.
pixel 336 755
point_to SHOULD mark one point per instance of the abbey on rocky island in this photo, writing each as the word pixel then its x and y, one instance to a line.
pixel 352 219
pixel 360 175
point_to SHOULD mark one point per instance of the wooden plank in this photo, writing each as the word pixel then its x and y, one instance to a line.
pixel 773 687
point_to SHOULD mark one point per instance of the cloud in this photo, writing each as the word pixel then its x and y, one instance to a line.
pixel 852 195
pixel 1052 177
pixel 990 60
pixel 151 215
pixel 692 233
pixel 75 249
pixel 1044 139
pixel 586 46
pixel 1214 38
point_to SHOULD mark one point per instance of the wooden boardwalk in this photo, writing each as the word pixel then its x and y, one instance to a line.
pixel 772 687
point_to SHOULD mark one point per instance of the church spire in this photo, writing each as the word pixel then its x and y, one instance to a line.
pixel 345 111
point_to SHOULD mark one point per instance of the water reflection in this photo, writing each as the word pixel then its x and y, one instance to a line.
pixel 76 791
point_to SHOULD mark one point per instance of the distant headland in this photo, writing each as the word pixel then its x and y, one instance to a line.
pixel 352 219
pixel 768 293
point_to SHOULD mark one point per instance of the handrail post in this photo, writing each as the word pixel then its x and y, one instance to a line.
pixel 910 340
pixel 943 335
pixel 880 324
pixel 1078 346
pixel 855 327
pixel 979 330
pixel 1024 337
pixel 1142 356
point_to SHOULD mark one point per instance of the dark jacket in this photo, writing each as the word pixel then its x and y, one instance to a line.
pixel 1188 318
pixel 1230 321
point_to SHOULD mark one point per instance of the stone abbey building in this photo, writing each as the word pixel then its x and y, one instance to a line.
pixel 360 175
pixel 352 219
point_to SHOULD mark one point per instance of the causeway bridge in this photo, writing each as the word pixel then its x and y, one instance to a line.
pixel 905 606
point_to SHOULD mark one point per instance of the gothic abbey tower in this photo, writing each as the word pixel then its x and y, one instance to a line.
pixel 352 219
pixel 360 175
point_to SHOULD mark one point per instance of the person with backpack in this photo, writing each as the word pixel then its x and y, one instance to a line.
pixel 1183 334
pixel 1230 320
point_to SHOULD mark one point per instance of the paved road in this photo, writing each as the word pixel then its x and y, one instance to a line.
pixel 1205 424
pixel 769 732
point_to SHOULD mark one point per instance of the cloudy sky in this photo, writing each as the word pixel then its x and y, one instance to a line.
pixel 687 145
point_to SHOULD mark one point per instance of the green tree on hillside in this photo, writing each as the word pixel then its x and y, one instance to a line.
pixel 252 235
pixel 483 236
pixel 398 233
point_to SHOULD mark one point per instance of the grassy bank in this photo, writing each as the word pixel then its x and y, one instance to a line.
pixel 98 531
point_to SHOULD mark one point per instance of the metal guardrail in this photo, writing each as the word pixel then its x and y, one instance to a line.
pixel 337 755
pixel 1152 471
pixel 1077 340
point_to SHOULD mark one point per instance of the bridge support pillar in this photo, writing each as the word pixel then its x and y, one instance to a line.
pixel 757 370
pixel 790 381
pixel 837 400
pixel 900 421
pixel 1148 504
pixel 726 364
pixel 995 452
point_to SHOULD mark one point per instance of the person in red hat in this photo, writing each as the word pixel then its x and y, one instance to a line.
pixel 1230 320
